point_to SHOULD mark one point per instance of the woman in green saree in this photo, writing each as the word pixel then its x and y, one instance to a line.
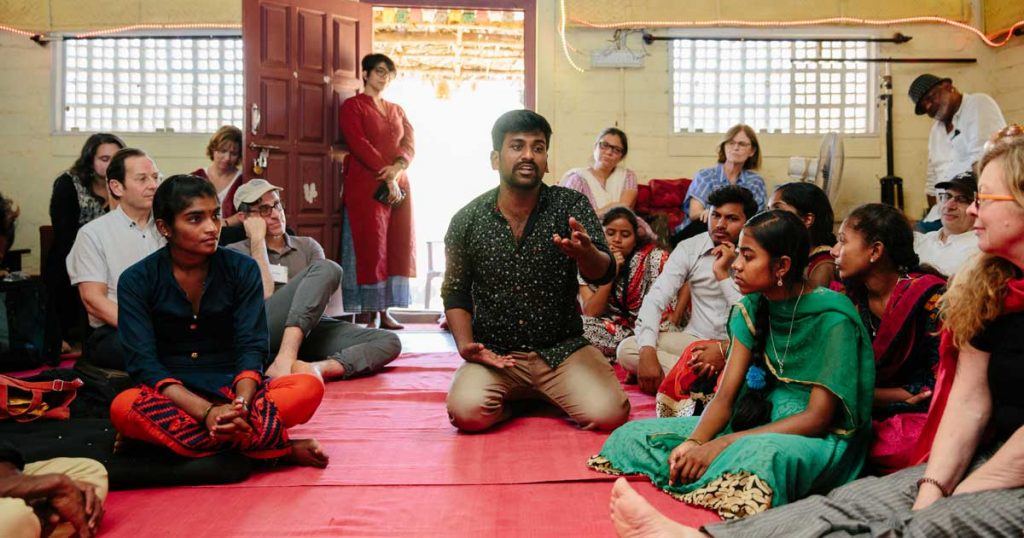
pixel 792 415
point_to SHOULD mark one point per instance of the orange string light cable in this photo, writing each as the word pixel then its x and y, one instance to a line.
pixel 14 30
pixel 565 43
pixel 842 21
pixel 136 27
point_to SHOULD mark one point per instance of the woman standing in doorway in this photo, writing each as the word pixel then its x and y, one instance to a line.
pixel 378 249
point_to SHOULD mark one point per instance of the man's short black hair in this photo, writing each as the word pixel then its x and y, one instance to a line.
pixel 519 121
pixel 734 194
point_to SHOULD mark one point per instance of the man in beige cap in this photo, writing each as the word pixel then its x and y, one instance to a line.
pixel 298 282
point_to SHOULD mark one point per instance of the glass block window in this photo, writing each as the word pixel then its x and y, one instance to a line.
pixel 152 84
pixel 717 84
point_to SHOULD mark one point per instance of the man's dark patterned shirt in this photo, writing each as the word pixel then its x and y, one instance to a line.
pixel 522 295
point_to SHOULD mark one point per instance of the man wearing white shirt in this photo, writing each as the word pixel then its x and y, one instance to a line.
pixel 106 246
pixel 703 261
pixel 948 248
pixel 963 123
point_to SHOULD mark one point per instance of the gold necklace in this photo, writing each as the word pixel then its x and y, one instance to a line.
pixel 789 339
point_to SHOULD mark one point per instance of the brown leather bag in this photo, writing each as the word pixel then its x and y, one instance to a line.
pixel 25 401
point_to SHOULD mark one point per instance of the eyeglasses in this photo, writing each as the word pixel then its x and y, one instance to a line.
pixel 382 71
pixel 737 144
pixel 605 146
pixel 961 199
pixel 266 210
pixel 978 197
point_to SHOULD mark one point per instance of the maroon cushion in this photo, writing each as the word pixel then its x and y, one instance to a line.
pixel 668 193
pixel 643 199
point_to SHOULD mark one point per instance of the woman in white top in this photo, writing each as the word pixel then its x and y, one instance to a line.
pixel 605 183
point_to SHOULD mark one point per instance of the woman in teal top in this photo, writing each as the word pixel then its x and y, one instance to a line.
pixel 792 415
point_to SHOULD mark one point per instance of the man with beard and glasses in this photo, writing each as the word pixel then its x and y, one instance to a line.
pixel 963 122
pixel 513 256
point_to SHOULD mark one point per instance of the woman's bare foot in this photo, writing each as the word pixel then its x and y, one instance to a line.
pixel 388 322
pixel 309 453
pixel 329 369
pixel 278 368
pixel 303 367
pixel 634 517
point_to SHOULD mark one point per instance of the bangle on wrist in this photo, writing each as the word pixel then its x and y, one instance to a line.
pixel 925 480
pixel 699 443
pixel 206 414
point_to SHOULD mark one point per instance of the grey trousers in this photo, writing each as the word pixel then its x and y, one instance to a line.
pixel 301 303
pixel 876 506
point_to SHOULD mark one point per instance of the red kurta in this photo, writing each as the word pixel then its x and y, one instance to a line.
pixel 227 207
pixel 382 235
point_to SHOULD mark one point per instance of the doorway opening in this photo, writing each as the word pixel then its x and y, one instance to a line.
pixel 458 70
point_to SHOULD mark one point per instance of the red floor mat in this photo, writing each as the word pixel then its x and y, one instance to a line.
pixel 566 509
pixel 399 468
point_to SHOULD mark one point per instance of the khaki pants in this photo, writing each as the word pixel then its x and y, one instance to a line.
pixel 670 346
pixel 584 386
pixel 17 519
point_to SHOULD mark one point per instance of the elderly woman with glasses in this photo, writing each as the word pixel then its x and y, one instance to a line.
pixel 973 483
pixel 604 182
pixel 739 154
pixel 377 249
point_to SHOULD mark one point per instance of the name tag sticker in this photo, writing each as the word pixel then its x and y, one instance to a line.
pixel 279 273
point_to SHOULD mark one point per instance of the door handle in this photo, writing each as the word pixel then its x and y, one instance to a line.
pixel 254 118
pixel 257 147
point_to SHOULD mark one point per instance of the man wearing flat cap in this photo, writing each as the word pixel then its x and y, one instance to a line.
pixel 963 123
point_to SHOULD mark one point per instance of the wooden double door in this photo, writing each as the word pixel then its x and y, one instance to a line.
pixel 301 62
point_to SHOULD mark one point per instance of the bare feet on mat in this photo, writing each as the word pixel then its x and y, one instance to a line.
pixel 634 517
pixel 388 322
pixel 279 368
pixel 330 369
pixel 308 453
pixel 303 367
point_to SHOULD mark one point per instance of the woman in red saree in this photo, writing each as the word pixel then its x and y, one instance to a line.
pixel 378 250
pixel 898 301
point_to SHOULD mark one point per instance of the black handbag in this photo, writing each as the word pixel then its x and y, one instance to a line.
pixel 29 331
pixel 383 192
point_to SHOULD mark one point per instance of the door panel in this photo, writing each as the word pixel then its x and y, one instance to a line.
pixel 312 187
pixel 275 103
pixel 301 61
pixel 275 28
pixel 312 40
pixel 312 113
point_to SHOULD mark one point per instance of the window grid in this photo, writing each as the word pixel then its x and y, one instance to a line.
pixel 183 85
pixel 717 84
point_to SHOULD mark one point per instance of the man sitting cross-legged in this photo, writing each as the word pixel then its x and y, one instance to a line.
pixel 510 291
pixel 703 262
pixel 108 245
pixel 297 284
